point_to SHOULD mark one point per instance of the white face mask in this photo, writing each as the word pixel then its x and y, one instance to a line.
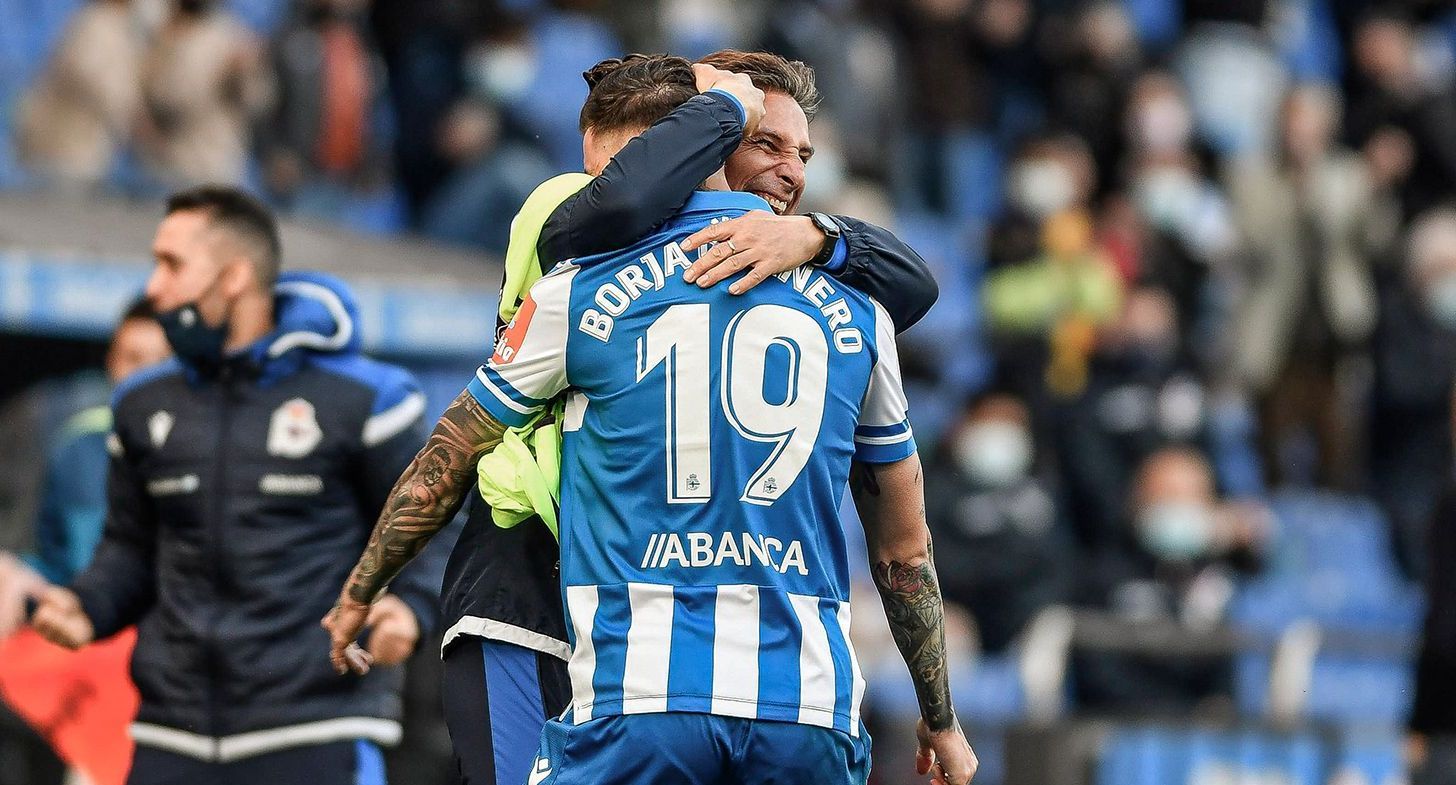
pixel 1176 531
pixel 1040 187
pixel 994 454
pixel 503 72
pixel 1167 196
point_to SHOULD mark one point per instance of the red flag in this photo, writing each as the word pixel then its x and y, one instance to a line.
pixel 79 701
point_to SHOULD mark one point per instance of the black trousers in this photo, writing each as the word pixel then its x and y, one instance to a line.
pixel 333 763
pixel 497 696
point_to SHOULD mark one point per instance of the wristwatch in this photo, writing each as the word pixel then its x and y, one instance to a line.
pixel 831 232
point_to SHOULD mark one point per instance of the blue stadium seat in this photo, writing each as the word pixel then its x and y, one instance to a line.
pixel 954 252
pixel 1332 563
pixel 263 16
pixel 1157 22
pixel 1343 690
pixel 1310 43
pixel 1172 756
pixel 1368 756
pixel 988 698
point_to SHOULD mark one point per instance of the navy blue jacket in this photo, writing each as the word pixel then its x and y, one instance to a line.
pixel 239 498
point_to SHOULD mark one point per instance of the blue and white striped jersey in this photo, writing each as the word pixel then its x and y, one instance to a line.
pixel 708 439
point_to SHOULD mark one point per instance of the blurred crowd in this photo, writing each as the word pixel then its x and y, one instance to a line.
pixel 1192 252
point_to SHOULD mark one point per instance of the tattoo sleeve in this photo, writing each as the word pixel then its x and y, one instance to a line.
pixel 909 590
pixel 427 495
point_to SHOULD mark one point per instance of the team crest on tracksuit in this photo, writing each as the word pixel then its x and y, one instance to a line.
pixel 293 431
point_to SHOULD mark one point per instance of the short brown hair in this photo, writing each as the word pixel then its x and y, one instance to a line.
pixel 772 72
pixel 635 91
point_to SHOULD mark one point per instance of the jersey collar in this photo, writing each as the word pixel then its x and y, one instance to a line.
pixel 718 201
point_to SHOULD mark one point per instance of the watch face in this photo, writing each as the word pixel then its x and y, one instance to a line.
pixel 825 224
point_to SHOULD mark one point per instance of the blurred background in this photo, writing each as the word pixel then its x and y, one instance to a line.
pixel 1185 401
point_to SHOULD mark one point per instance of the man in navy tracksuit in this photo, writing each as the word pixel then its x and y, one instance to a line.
pixel 245 476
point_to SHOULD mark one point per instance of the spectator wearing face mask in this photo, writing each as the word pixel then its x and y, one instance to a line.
pixel 1415 362
pixel 1140 397
pixel 1176 562
pixel 999 534
pixel 1053 285
pixel 1185 232
pixel 1234 75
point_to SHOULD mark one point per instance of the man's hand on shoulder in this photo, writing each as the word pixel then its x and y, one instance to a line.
pixel 761 242
pixel 737 85
pixel 60 619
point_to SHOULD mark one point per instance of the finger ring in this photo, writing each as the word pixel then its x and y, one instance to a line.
pixel 731 246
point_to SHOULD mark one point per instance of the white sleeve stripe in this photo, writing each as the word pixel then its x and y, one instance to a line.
pixel 501 396
pixel 387 424
pixel 896 439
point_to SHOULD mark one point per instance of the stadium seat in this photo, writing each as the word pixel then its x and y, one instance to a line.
pixel 1332 563
pixel 988 689
pixel 1178 756
pixel 263 16
pixel 1345 690
pixel 1310 44
pixel 1156 22
pixel 1367 756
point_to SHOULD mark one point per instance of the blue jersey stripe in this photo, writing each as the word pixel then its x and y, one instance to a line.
pixel 690 669
pixel 609 635
pixel 883 430
pixel 779 642
pixel 496 407
pixel 507 388
pixel 884 453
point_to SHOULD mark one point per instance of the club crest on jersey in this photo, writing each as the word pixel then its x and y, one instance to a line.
pixel 293 431
pixel 740 549
pixel 159 426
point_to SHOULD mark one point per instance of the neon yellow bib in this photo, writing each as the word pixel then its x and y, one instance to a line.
pixel 522 476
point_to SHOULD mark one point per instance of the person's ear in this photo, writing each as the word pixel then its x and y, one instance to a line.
pixel 237 277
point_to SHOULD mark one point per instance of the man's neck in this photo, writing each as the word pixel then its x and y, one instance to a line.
pixel 252 318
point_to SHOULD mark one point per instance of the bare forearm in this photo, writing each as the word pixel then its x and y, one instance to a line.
pixel 427 495
pixel 892 504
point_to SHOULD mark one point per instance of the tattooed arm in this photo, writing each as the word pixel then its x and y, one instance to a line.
pixel 423 502
pixel 891 503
